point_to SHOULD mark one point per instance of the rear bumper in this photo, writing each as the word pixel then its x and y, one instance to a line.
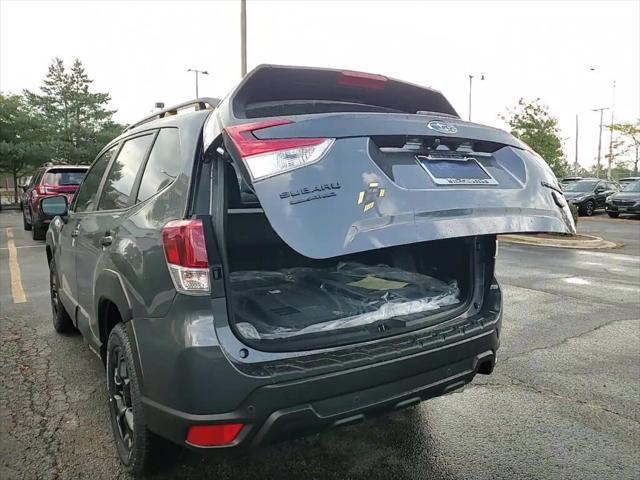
pixel 623 208
pixel 285 410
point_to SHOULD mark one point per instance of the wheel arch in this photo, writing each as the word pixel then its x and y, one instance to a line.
pixel 113 305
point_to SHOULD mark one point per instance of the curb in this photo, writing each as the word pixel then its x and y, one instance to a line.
pixel 589 243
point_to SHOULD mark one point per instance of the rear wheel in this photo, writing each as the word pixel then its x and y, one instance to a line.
pixel 25 224
pixel 613 214
pixel 133 440
pixel 588 208
pixel 62 322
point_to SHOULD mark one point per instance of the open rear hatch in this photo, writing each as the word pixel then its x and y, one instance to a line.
pixel 349 209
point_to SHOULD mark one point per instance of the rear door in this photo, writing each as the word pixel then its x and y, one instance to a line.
pixel 84 202
pixel 601 193
pixel 333 184
pixel 31 195
pixel 98 229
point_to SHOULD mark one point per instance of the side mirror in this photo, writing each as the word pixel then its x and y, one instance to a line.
pixel 599 189
pixel 54 206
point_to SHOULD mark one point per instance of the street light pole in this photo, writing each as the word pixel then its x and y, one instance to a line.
pixel 470 88
pixel 601 110
pixel 576 167
pixel 204 72
pixel 243 37
pixel 613 105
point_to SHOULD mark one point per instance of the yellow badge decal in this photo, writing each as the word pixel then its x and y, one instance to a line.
pixel 368 197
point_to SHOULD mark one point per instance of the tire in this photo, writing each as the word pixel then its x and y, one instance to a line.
pixel 38 231
pixel 62 322
pixel 588 208
pixel 134 442
pixel 27 226
pixel 613 214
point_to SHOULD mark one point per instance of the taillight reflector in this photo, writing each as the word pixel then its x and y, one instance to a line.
pixel 265 158
pixel 213 435
pixel 247 143
pixel 184 243
pixel 186 254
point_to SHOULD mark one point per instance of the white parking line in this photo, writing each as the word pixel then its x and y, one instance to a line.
pixel 577 281
pixel 610 256
pixel 17 292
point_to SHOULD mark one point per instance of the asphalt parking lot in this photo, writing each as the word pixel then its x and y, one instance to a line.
pixel 563 402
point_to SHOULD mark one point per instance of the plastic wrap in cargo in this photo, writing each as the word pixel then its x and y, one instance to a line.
pixel 298 301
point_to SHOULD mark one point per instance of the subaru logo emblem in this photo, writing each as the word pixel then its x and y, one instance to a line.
pixel 442 127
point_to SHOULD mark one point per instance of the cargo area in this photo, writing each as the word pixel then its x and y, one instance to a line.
pixel 354 203
pixel 279 297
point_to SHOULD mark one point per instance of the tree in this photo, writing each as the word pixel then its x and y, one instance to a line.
pixel 77 118
pixel 631 136
pixel 532 123
pixel 23 139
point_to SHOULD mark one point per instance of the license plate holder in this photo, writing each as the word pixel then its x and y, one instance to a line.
pixel 448 170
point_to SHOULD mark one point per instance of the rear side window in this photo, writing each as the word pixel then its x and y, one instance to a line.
pixel 122 176
pixel 163 165
pixel 36 178
pixel 87 196
pixel 33 179
pixel 66 177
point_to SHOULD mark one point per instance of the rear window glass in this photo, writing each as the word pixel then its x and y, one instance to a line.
pixel 61 178
pixel 163 165
pixel 581 186
pixel 119 182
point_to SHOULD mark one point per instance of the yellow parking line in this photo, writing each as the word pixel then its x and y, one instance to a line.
pixel 17 292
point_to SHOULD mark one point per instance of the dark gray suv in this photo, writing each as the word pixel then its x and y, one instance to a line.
pixel 316 249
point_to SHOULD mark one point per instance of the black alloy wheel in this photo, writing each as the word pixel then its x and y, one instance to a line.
pixel 135 444
pixel 62 322
pixel 120 402
pixel 589 208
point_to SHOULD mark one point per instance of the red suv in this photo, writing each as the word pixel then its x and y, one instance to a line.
pixel 49 180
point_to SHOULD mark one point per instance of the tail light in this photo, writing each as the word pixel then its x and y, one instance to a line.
pixel 186 254
pixel 265 158
pixel 213 435
pixel 362 80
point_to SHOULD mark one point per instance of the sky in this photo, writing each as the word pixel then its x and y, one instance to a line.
pixel 568 54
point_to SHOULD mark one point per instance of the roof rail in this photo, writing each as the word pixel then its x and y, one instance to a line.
pixel 202 103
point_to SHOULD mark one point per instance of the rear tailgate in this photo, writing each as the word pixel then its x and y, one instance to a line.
pixel 391 179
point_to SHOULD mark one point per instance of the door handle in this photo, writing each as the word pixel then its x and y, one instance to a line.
pixel 76 230
pixel 106 240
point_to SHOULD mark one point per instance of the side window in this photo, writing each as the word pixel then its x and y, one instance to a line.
pixel 36 178
pixel 87 196
pixel 163 165
pixel 122 176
